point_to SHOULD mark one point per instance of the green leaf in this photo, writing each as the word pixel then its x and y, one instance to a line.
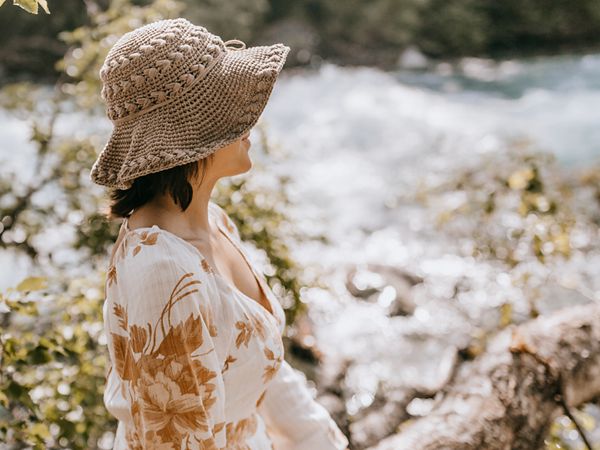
pixel 40 430
pixel 28 5
pixel 506 312
pixel 32 284
pixel 39 355
pixel 3 397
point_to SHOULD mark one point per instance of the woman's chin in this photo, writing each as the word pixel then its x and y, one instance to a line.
pixel 245 164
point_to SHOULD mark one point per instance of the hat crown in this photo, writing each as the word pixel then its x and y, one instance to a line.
pixel 154 64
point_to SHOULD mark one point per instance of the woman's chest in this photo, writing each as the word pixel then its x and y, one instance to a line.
pixel 253 356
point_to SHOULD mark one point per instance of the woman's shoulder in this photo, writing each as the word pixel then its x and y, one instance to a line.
pixel 153 263
pixel 158 279
pixel 143 245
pixel 152 254
pixel 156 250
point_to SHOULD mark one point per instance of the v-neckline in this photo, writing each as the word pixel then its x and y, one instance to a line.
pixel 217 275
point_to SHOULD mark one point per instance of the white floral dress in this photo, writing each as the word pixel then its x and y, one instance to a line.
pixel 193 362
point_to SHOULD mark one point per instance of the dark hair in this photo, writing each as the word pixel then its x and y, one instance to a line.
pixel 175 181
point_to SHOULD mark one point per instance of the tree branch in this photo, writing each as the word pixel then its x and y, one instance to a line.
pixel 508 397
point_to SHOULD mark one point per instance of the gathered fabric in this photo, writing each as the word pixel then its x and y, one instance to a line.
pixel 194 363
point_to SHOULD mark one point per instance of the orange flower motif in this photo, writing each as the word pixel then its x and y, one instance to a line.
pixel 206 267
pixel 208 444
pixel 238 432
pixel 153 441
pixel 228 224
pixel 245 333
pixel 209 320
pixel 133 441
pixel 121 313
pixel 253 324
pixel 230 359
pixel 172 391
pixel 259 326
pixel 170 370
pixel 112 275
pixel 145 239
pixel 271 370
pixel 138 338
pixel 166 408
pixel 260 399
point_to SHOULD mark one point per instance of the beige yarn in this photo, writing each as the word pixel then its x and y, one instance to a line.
pixel 177 93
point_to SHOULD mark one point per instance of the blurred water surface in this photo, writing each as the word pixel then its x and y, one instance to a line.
pixel 361 142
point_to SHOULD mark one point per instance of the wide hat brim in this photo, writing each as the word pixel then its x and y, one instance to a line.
pixel 214 112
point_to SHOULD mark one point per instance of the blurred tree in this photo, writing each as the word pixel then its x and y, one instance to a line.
pixel 356 31
pixel 233 19
pixel 347 32
pixel 452 28
pixel 537 25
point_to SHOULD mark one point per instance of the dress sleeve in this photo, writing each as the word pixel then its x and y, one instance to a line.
pixel 164 343
pixel 294 419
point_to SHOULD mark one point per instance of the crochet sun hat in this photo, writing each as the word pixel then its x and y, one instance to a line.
pixel 176 93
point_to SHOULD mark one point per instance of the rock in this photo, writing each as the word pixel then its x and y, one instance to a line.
pixel 381 419
pixel 554 296
pixel 396 272
pixel 363 284
pixel 402 282
pixel 412 58
pixel 403 303
pixel 387 285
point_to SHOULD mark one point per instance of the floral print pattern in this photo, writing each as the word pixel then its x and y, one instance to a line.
pixel 175 391
pixel 194 366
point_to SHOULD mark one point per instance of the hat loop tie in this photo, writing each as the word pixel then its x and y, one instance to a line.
pixel 230 42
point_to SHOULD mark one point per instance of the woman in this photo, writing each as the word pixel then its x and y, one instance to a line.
pixel 193 329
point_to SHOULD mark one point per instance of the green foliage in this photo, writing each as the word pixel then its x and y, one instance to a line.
pixel 53 360
pixel 29 44
pixel 563 427
pixel 513 185
pixel 513 210
pixel 62 163
pixel 518 212
pixel 52 355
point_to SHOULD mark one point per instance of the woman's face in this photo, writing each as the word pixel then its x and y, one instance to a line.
pixel 233 159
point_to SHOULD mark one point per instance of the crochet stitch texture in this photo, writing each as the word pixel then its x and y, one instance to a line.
pixel 176 93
